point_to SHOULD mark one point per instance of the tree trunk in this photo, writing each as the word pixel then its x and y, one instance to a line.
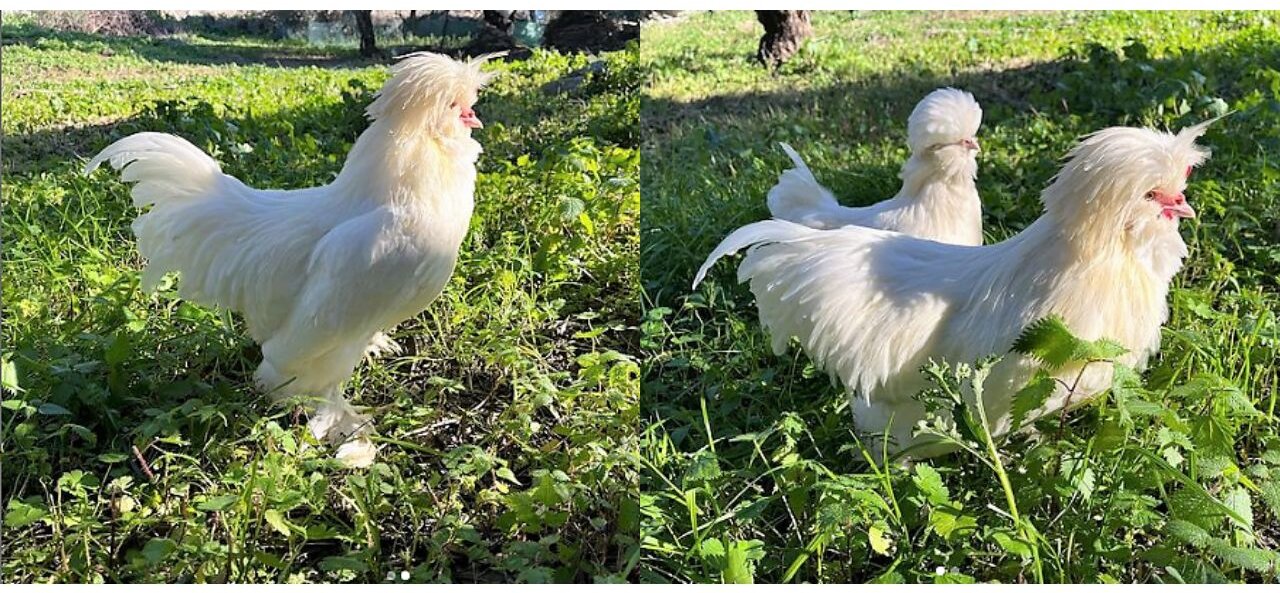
pixel 496 34
pixel 588 31
pixel 364 22
pixel 783 32
pixel 500 19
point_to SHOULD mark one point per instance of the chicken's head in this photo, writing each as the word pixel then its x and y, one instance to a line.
pixel 1125 179
pixel 944 126
pixel 432 94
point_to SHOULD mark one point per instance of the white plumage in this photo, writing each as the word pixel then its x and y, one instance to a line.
pixel 938 199
pixel 872 307
pixel 318 274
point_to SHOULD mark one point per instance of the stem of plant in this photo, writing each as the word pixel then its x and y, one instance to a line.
pixel 978 378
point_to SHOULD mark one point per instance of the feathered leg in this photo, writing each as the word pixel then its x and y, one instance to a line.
pixel 338 422
pixel 381 344
pixel 333 419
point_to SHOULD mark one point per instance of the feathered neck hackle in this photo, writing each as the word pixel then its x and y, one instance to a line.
pixel 414 131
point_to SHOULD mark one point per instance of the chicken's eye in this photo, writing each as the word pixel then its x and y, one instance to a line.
pixel 1151 195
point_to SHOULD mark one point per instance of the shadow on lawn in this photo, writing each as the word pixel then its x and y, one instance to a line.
pixel 176 49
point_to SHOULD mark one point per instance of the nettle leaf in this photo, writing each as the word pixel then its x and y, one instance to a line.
pixel 930 484
pixel 740 561
pixel 1238 500
pixel 570 208
pixel 1081 476
pixel 1270 494
pixel 1192 506
pixel 1101 349
pixel 1049 341
pixel 1188 532
pixel 1225 393
pixel 1246 558
pixel 1130 396
pixel 1032 397
pixel 713 553
pixel 704 466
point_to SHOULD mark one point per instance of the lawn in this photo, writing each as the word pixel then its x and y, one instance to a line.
pixel 134 446
pixel 751 470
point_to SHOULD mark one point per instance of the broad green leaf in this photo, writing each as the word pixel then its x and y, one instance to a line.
pixel 1238 500
pixel 49 409
pixel 9 376
pixel 1031 397
pixel 1012 544
pixel 277 521
pixel 337 563
pixel 950 520
pixel 1269 491
pixel 20 514
pixel 156 550
pixel 218 503
pixel 879 539
pixel 740 561
pixel 1100 349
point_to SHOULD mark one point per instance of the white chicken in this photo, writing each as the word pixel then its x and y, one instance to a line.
pixel 938 199
pixel 872 307
pixel 320 273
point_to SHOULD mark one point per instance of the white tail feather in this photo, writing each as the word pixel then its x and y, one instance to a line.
pixel 767 231
pixel 165 166
pixel 798 195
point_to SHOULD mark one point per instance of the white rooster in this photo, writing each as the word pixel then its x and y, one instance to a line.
pixel 872 307
pixel 938 199
pixel 320 273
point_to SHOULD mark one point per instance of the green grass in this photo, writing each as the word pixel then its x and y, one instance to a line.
pixel 750 466
pixel 505 427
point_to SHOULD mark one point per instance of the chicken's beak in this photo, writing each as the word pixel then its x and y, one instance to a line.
pixel 1175 206
pixel 970 143
pixel 469 118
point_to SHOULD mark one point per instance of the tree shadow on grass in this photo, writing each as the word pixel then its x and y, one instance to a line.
pixel 218 50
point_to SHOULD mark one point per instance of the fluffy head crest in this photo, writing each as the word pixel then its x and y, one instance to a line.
pixel 944 116
pixel 1111 170
pixel 424 85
